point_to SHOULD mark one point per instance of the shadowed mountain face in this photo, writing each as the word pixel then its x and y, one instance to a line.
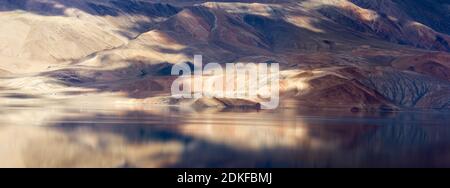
pixel 433 13
pixel 352 54
pixel 102 7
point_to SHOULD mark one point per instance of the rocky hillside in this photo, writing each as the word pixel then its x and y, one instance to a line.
pixel 351 54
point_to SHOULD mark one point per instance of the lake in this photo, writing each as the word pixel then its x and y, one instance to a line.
pixel 158 136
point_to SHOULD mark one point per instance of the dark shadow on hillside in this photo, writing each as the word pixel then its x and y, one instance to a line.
pixel 431 13
pixel 138 80
pixel 273 33
pixel 276 34
pixel 386 28
pixel 270 36
pixel 105 8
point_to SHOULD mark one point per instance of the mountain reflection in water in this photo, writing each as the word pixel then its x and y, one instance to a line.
pixel 173 137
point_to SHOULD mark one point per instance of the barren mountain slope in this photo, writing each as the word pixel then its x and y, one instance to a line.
pixel 357 55
pixel 433 13
pixel 35 34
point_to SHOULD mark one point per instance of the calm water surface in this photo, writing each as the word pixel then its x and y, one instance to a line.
pixel 173 137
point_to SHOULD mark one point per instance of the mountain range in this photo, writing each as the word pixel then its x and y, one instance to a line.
pixel 349 54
